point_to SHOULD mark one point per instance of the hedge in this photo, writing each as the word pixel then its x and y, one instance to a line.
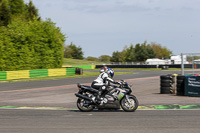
pixel 31 45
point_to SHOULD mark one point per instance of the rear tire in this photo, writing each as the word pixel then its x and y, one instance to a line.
pixel 82 105
pixel 129 107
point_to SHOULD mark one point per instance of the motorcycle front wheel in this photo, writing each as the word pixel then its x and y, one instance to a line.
pixel 129 105
pixel 83 105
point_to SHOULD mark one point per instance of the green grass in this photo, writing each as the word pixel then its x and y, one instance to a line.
pixel 68 61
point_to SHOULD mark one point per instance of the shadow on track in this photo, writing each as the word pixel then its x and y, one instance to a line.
pixel 100 110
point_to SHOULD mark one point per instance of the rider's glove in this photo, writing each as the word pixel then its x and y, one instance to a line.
pixel 118 83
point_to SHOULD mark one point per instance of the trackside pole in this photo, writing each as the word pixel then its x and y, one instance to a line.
pixel 182 64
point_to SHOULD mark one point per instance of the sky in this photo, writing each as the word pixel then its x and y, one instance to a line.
pixel 101 27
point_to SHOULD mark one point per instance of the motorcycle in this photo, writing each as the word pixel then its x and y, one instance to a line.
pixel 114 95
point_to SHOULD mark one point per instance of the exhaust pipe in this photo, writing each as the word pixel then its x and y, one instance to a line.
pixel 83 97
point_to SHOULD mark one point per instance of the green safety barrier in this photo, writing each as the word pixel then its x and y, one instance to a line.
pixel 38 73
pixel 3 75
pixel 81 66
pixel 84 66
pixel 70 71
pixel 7 75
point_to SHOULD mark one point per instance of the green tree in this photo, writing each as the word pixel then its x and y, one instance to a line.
pixel 117 56
pixel 32 11
pixel 166 53
pixel 17 6
pixel 72 51
pixel 68 52
pixel 130 54
pixel 143 52
pixel 90 58
pixel 140 53
pixel 161 52
pixel 5 15
pixel 104 58
pixel 150 51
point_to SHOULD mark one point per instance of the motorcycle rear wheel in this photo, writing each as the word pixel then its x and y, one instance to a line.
pixel 129 107
pixel 82 105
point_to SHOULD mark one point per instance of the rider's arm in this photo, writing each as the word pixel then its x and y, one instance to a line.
pixel 109 79
pixel 105 77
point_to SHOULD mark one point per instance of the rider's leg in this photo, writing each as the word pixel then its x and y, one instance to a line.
pixel 101 90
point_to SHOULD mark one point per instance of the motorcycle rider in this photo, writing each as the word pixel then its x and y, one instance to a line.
pixel 104 67
pixel 103 81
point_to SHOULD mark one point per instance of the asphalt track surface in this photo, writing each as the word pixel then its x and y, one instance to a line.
pixel 60 93
pixel 60 121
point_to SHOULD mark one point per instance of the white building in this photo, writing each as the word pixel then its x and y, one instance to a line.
pixel 177 59
pixel 172 60
pixel 155 61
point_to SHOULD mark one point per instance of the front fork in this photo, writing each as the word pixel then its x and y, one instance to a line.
pixel 127 98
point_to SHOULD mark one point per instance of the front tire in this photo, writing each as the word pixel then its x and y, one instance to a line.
pixel 129 107
pixel 83 106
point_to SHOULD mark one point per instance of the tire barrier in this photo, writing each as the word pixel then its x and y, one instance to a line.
pixel 165 67
pixel 167 84
pixel 79 71
pixel 25 74
pixel 173 86
pixel 180 85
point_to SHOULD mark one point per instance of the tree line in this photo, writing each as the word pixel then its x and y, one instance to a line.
pixel 133 53
pixel 27 41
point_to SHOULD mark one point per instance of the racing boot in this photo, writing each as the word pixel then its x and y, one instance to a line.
pixel 99 95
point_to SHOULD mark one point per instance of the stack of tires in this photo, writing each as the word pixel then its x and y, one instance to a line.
pixel 166 83
pixel 79 71
pixel 180 85
pixel 165 67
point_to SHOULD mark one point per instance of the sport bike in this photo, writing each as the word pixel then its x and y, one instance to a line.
pixel 120 94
